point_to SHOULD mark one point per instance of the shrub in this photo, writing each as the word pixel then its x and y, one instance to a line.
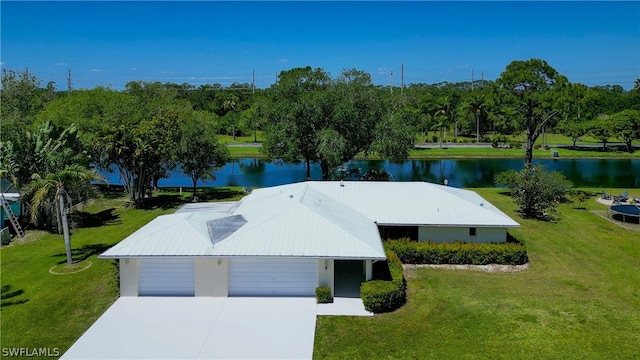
pixel 381 296
pixel 536 191
pixel 411 252
pixel 323 295
pixel 515 144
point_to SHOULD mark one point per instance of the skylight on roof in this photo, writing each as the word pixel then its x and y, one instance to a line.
pixel 220 229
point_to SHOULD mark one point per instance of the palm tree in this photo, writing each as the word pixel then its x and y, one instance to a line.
pixel 229 106
pixel 477 106
pixel 57 191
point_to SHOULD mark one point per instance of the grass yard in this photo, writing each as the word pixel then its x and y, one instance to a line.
pixel 548 138
pixel 247 138
pixel 514 153
pixel 43 310
pixel 245 151
pixel 580 299
pixel 437 153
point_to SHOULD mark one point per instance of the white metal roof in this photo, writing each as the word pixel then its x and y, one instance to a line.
pixel 309 219
pixel 290 221
pixel 415 203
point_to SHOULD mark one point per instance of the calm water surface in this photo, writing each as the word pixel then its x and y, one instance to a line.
pixel 250 172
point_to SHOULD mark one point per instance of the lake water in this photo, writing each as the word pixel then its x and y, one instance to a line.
pixel 250 172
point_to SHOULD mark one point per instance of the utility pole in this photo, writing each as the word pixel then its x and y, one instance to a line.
pixel 402 79
pixel 471 79
pixel 253 81
pixel 69 81
pixel 391 80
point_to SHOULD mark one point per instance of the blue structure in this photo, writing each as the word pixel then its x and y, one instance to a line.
pixel 9 195
pixel 628 212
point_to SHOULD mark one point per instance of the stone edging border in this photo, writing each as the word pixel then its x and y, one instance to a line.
pixel 486 268
pixel 89 263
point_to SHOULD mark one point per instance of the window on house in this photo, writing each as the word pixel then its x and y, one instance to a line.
pixel 398 232
pixel 472 231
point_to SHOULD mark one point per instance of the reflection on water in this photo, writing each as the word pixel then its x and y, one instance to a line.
pixel 251 172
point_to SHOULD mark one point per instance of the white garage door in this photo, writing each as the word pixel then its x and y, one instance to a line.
pixel 173 277
pixel 273 277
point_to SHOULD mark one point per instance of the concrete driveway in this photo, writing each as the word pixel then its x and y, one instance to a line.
pixel 201 328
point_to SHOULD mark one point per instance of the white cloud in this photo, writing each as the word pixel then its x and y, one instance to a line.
pixel 283 60
pixel 1 63
pixel 95 70
pixel 133 68
pixel 62 63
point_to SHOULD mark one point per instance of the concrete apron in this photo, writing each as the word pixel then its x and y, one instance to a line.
pixel 208 328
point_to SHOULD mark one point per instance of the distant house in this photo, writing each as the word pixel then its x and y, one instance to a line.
pixel 287 240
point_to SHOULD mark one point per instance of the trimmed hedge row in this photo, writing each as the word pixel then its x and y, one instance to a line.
pixel 381 296
pixel 411 252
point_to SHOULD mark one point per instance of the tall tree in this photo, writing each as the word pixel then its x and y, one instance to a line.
pixel 297 115
pixel 600 128
pixel 200 154
pixel 626 127
pixel 230 106
pixel 476 106
pixel 57 190
pixel 143 145
pixel 532 87
pixel 317 119
pixel 573 124
pixel 22 99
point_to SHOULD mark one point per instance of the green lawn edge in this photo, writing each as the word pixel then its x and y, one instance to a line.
pixel 239 151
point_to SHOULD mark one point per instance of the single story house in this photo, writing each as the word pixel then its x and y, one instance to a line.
pixel 287 240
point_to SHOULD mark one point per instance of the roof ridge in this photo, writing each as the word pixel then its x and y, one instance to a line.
pixel 333 224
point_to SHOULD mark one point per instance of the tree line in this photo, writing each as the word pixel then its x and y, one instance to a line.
pixel 151 128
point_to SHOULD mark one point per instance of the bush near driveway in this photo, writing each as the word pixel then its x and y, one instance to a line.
pixel 323 295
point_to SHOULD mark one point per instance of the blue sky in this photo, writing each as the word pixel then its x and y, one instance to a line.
pixel 112 43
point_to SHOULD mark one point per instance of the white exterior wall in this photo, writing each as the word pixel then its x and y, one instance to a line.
pixel 441 234
pixel 211 277
pixel 129 277
pixel 368 270
pixel 325 276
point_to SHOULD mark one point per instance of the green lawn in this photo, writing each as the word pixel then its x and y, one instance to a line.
pixel 548 139
pixel 580 299
pixel 248 138
pixel 437 153
pixel 245 151
pixel 513 153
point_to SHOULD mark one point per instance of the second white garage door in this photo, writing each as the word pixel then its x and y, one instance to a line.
pixel 273 277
